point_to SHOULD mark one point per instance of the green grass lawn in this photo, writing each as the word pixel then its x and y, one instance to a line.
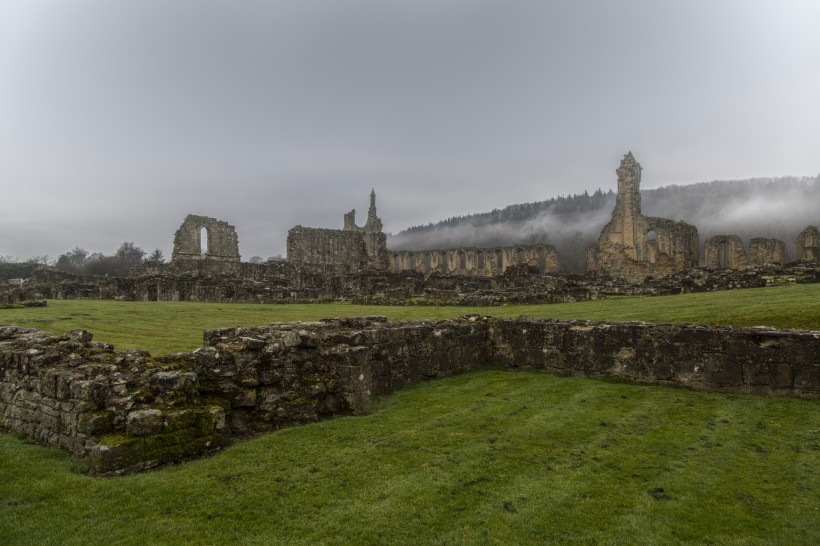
pixel 491 457
pixel 177 326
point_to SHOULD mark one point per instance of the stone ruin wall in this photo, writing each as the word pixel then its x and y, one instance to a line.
pixel 808 245
pixel 129 411
pixel 286 282
pixel 327 247
pixel 485 262
pixel 724 252
pixel 635 246
pixel 764 251
pixel 220 255
pixel 728 252
pixel 351 248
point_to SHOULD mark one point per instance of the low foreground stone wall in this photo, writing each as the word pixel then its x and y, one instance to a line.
pixel 129 411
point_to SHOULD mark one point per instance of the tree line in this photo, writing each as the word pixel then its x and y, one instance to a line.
pixel 81 262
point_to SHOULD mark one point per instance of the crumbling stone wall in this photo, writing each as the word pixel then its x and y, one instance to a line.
pixel 764 251
pixel 752 360
pixel 485 262
pixel 124 411
pixel 221 254
pixel 635 246
pixel 128 411
pixel 724 252
pixel 333 247
pixel 351 248
pixel 808 245
pixel 290 282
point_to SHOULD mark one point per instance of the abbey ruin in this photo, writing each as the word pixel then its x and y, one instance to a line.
pixel 634 254
pixel 127 411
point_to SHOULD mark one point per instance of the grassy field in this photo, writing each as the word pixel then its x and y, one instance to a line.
pixel 177 326
pixel 491 457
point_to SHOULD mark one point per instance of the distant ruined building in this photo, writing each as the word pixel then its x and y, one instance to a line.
pixel 641 254
pixel 365 248
pixel 205 246
pixel 352 248
pixel 635 246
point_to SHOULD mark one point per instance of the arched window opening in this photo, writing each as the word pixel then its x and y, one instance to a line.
pixel 203 242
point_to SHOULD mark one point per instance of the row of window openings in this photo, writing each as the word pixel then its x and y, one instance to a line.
pixel 462 260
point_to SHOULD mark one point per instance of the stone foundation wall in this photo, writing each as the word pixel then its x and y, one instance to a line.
pixel 129 411
pixel 287 282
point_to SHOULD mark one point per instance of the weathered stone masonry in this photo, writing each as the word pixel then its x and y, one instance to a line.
pixel 219 255
pixel 128 411
pixel 635 246
pixel 486 262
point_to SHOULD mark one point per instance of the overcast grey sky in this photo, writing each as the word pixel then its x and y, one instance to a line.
pixel 119 117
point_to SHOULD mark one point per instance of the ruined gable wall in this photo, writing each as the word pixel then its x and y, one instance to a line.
pixel 221 254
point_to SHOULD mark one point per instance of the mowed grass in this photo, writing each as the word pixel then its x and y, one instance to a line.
pixel 162 327
pixel 491 457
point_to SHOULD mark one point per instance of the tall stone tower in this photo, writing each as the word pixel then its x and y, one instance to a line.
pixel 625 229
pixel 374 223
pixel 375 240
pixel 635 246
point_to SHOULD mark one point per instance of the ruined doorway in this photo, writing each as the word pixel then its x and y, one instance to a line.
pixel 723 255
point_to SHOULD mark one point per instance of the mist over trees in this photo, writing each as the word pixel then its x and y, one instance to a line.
pixel 779 208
